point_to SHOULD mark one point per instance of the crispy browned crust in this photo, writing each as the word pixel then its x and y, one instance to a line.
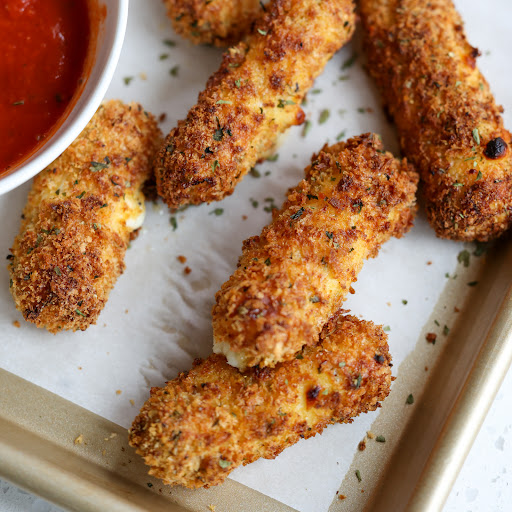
pixel 217 22
pixel 212 419
pixel 426 71
pixel 251 99
pixel 293 277
pixel 76 223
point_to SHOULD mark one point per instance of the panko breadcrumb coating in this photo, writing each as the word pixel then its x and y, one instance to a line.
pixel 81 212
pixel 293 277
pixel 253 98
pixel 212 419
pixel 217 22
pixel 448 122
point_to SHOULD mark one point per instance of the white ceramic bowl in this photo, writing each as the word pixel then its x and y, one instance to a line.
pixel 108 45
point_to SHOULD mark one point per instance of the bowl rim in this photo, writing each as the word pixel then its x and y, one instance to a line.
pixel 84 108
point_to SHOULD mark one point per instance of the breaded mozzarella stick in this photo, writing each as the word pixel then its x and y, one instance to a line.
pixel 449 125
pixel 293 277
pixel 212 419
pixel 80 214
pixel 253 97
pixel 217 22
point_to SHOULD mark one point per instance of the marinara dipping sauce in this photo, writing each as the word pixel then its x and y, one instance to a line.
pixel 43 51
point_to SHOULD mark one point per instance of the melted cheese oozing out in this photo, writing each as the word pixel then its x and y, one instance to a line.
pixel 135 222
pixel 236 359
pixel 130 213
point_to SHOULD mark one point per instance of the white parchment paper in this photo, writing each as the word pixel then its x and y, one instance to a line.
pixel 158 318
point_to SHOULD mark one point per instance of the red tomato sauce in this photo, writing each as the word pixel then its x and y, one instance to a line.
pixel 43 50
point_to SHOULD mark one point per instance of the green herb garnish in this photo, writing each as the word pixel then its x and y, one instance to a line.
pixel 307 127
pixel 282 103
pixel 350 61
pixel 463 257
pixel 98 166
pixel 476 136
pixel 324 115
pixel 297 214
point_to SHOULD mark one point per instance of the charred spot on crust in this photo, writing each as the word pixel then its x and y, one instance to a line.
pixel 198 181
pixel 276 81
pixel 32 314
pixel 495 148
pixel 313 393
pixel 262 373
pixel 380 359
pixel 345 183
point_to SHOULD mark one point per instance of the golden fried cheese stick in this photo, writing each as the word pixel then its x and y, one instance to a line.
pixel 448 122
pixel 251 99
pixel 212 419
pixel 217 22
pixel 292 278
pixel 79 217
